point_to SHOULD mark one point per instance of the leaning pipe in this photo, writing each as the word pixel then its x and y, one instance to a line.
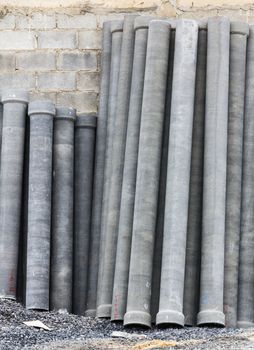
pixel 157 255
pixel 99 163
pixel 103 309
pixel 238 44
pixel 12 159
pixel 178 175
pixel 147 183
pixel 215 165
pixel 245 314
pixel 85 131
pixel 118 151
pixel 62 210
pixel 194 230
pixel 121 275
pixel 41 115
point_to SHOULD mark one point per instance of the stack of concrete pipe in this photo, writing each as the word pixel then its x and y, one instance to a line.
pixel 172 227
pixel 46 183
pixel 146 215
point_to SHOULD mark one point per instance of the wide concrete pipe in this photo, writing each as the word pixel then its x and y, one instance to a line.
pixel 178 175
pixel 237 64
pixel 62 210
pixel 99 163
pixel 194 229
pixel 41 115
pixel 12 159
pixel 148 173
pixel 214 181
pixel 85 131
pixel 245 313
pixel 117 33
pixel 157 255
pixel 118 150
pixel 121 276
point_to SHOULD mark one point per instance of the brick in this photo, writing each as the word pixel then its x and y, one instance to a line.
pixel 38 95
pixel 86 21
pixel 36 21
pixel 7 61
pixel 110 17
pixel 88 81
pixel 77 61
pixel 90 39
pixel 57 81
pixel 36 60
pixel 17 40
pixel 82 101
pixel 7 22
pixel 57 40
pixel 233 14
pixel 17 80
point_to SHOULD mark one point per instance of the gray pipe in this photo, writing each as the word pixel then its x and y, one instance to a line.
pixel 194 230
pixel 238 45
pixel 117 33
pixel 101 135
pixel 178 175
pixel 62 210
pixel 21 287
pixel 157 255
pixel 147 183
pixel 39 204
pixel 130 170
pixel 245 317
pixel 1 127
pixel 12 158
pixel 85 129
pixel 215 164
pixel 118 151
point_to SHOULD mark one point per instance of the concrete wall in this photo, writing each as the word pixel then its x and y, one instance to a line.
pixel 52 47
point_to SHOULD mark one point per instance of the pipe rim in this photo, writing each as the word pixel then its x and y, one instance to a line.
pixel 65 113
pixel 86 120
pixel 116 25
pixel 137 318
pixel 41 107
pixel 169 318
pixel 211 317
pixel 237 27
pixel 15 96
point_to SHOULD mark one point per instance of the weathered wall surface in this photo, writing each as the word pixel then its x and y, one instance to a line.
pixel 52 47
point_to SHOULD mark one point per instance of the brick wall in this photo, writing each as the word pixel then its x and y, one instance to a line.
pixel 55 52
pixel 52 55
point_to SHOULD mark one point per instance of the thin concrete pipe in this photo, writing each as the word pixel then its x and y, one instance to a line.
pixel 85 131
pixel 147 184
pixel 121 275
pixel 215 165
pixel 41 115
pixel 245 312
pixel 104 309
pixel 237 64
pixel 157 255
pixel 101 136
pixel 117 161
pixel 178 175
pixel 194 228
pixel 62 210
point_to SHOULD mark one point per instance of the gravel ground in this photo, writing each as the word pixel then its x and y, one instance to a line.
pixel 78 333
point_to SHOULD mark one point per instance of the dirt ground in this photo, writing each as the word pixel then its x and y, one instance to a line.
pixel 83 333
